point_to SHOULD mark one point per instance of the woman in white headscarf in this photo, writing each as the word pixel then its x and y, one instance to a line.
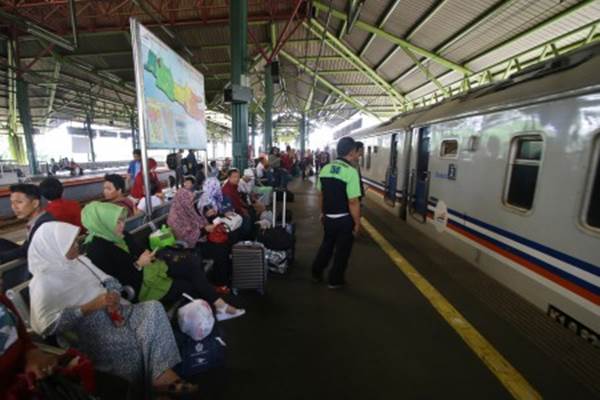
pixel 69 293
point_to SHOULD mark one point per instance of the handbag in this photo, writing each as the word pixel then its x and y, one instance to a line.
pixel 232 220
pixel 162 238
pixel 219 234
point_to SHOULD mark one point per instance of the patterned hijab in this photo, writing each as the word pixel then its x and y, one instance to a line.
pixel 100 220
pixel 184 220
pixel 211 195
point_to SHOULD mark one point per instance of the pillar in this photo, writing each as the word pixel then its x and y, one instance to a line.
pixel 25 117
pixel 88 127
pixel 238 24
pixel 303 135
pixel 268 106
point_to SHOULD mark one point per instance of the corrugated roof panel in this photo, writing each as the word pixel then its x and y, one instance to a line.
pixel 522 15
pixel 378 49
pixel 399 63
pixel 417 78
pixel 449 19
pixel 355 39
pixel 585 15
pixel 406 16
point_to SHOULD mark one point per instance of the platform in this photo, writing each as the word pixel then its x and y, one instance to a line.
pixel 380 338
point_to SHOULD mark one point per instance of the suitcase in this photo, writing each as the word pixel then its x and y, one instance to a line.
pixel 283 228
pixel 249 267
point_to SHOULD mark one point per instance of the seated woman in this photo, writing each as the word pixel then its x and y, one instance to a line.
pixel 191 228
pixel 115 253
pixel 68 293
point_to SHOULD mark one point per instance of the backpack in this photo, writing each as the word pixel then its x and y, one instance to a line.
pixel 172 161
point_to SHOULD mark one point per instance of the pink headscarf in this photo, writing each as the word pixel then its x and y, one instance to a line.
pixel 183 219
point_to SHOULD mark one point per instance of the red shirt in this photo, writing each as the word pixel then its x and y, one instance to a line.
pixel 12 360
pixel 137 190
pixel 287 162
pixel 231 191
pixel 68 211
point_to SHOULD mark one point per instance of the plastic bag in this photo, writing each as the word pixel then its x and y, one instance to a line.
pixel 162 238
pixel 196 319
pixel 277 261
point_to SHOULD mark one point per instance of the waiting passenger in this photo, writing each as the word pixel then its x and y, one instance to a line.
pixel 213 170
pixel 137 191
pixel 200 176
pixel 69 293
pixel 25 201
pixel 192 228
pixel 63 210
pixel 116 254
pixel 135 166
pixel 189 183
pixel 155 201
pixel 114 192
pixel 230 190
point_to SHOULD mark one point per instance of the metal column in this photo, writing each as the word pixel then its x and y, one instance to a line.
pixel 268 121
pixel 253 132
pixel 25 116
pixel 88 127
pixel 303 135
pixel 135 138
pixel 238 25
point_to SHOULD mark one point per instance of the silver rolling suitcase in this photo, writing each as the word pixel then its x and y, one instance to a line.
pixel 249 267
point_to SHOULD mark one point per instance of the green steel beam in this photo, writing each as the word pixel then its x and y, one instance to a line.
pixel 353 102
pixel 384 19
pixel 426 71
pixel 343 50
pixel 396 40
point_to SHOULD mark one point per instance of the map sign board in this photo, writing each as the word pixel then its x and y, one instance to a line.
pixel 171 92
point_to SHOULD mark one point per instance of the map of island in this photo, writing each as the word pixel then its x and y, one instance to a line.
pixel 183 95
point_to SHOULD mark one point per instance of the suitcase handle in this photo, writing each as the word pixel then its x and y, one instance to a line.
pixel 283 221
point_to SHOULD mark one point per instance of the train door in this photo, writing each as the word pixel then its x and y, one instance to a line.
pixel 422 174
pixel 391 173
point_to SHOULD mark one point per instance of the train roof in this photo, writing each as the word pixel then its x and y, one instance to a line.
pixel 569 75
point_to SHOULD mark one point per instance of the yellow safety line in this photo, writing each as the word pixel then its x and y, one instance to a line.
pixel 512 380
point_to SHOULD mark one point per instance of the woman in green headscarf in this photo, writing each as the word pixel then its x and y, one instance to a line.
pixel 113 251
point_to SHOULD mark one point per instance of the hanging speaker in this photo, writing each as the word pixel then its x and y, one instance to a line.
pixel 275 72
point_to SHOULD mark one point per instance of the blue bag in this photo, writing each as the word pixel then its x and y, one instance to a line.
pixel 199 356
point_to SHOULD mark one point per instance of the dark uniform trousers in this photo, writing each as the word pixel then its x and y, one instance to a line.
pixel 338 238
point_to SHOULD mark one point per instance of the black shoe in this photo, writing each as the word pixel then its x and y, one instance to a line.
pixel 336 286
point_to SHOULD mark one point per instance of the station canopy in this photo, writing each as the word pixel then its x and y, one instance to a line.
pixel 336 57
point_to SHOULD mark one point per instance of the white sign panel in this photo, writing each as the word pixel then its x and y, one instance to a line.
pixel 172 93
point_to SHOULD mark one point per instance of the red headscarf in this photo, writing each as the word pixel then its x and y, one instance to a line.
pixel 137 190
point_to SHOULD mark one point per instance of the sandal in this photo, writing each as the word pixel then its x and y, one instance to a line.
pixel 223 314
pixel 178 387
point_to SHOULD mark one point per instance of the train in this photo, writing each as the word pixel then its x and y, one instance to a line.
pixel 507 176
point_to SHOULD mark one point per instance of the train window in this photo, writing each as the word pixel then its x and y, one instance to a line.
pixel 369 157
pixel 526 155
pixel 449 148
pixel 592 217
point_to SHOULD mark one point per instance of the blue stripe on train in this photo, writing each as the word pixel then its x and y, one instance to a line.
pixel 548 267
pixel 583 265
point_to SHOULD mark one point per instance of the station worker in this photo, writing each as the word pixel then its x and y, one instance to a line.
pixel 25 201
pixel 340 193
pixel 63 210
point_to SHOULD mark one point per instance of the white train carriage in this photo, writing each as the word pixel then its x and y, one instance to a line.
pixel 508 177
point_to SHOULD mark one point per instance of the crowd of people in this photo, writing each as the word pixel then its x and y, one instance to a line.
pixel 81 260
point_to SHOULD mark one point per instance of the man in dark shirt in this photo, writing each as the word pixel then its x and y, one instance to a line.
pixel 340 193
pixel 25 201
pixel 68 211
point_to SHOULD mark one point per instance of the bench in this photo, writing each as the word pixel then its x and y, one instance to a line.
pixel 14 272
pixel 19 296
